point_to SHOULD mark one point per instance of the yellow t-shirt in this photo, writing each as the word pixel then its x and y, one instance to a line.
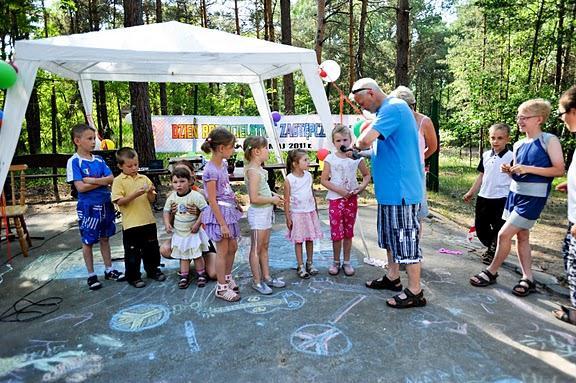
pixel 137 212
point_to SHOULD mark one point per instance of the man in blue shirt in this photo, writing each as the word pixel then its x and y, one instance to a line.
pixel 398 178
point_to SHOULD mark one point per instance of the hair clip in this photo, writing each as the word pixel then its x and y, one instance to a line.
pixel 209 139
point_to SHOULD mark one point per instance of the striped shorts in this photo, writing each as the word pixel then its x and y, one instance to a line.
pixel 399 232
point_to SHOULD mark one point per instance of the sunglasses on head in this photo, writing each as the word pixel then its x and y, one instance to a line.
pixel 360 90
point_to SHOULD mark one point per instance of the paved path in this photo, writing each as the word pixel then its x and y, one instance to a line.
pixel 325 329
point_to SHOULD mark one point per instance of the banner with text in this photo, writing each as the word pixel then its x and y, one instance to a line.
pixel 187 133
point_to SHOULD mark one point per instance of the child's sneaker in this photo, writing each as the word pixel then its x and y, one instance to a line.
pixel 262 288
pixel 114 275
pixel 94 283
pixel 157 276
pixel 274 282
pixel 311 269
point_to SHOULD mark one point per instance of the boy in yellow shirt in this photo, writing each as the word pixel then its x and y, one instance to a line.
pixel 133 193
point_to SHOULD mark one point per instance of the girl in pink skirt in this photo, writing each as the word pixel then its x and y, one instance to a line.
pixel 301 211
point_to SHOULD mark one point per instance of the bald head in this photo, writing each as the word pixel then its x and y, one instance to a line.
pixel 367 93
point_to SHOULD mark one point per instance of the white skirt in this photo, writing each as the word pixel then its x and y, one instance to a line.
pixel 190 246
pixel 260 218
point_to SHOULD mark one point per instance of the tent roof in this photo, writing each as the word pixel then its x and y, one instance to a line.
pixel 164 52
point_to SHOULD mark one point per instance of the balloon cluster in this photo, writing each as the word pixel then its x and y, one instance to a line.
pixel 322 154
pixel 8 75
pixel 107 144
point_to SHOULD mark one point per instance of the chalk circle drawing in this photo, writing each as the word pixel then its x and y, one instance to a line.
pixel 286 300
pixel 320 339
pixel 325 339
pixel 139 318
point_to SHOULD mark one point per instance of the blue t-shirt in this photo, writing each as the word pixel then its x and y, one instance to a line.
pixel 396 167
pixel 77 168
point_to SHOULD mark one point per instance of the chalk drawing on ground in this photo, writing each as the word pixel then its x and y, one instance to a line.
pixel 81 318
pixel 325 339
pixel 190 333
pixel 139 317
pixel 285 300
pixel 69 366
pixel 106 340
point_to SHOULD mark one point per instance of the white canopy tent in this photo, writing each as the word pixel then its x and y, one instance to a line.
pixel 164 52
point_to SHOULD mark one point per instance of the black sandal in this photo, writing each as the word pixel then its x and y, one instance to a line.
pixel 184 282
pixel 524 287
pixel 385 284
pixel 201 281
pixel 564 315
pixel 483 281
pixel 411 300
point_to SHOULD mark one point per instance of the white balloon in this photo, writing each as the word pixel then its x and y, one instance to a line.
pixel 128 118
pixel 331 69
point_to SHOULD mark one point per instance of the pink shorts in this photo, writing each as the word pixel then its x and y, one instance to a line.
pixel 342 214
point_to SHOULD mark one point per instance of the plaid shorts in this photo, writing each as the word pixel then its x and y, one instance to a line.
pixel 399 232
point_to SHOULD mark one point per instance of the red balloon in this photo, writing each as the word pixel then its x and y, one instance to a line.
pixel 322 154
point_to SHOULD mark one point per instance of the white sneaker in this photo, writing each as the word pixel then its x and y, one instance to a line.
pixel 275 282
pixel 262 288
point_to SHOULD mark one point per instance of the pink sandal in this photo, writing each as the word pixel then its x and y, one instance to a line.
pixel 224 292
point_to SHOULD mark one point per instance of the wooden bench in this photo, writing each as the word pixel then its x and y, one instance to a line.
pixel 47 164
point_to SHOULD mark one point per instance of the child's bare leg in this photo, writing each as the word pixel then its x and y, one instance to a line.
pixel 298 250
pixel 210 263
pixel 336 249
pixel 88 258
pixel 347 249
pixel 199 265
pixel 503 247
pixel 524 253
pixel 166 249
pixel 184 266
pixel 253 256
pixel 231 255
pixel 221 254
pixel 309 251
pixel 106 252
pixel 263 243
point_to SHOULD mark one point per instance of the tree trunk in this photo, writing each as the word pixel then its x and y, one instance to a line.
pixel 33 122
pixel 320 29
pixel 237 17
pixel 162 86
pixel 352 73
pixel 361 39
pixel 566 79
pixel 535 42
pixel 141 119
pixel 288 80
pixel 269 36
pixel 559 45
pixel 402 42
pixel 105 123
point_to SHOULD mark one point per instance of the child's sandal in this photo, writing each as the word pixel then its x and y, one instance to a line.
pixel 334 269
pixel 201 281
pixel 302 273
pixel 311 269
pixel 223 292
pixel 184 282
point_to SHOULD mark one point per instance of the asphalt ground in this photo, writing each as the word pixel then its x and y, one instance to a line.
pixel 324 329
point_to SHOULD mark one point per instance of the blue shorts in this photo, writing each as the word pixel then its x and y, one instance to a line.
pixel 523 211
pixel 95 221
pixel 399 232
